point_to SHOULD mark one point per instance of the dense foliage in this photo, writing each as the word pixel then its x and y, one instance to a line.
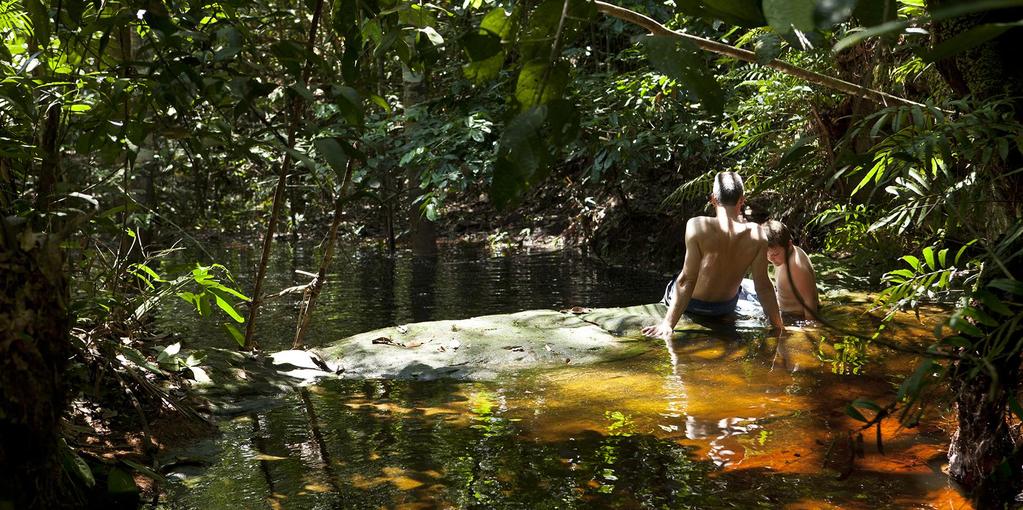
pixel 892 137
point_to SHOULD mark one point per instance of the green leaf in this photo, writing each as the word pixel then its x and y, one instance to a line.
pixel 484 70
pixel 224 305
pixel 971 38
pixel 767 47
pixel 159 22
pixel 914 383
pixel 74 464
pixel 1015 407
pixel 744 13
pixel 480 45
pixel 991 302
pixel 521 157
pixel 230 40
pixel 540 83
pixel 40 17
pixel 350 103
pixel 168 352
pixel 120 482
pixel 785 15
pixel 291 55
pixel 137 358
pixel 333 153
pixel 866 404
pixel 854 413
pixel 498 22
pixel 929 257
pixel 434 37
pixel 959 323
pixel 682 61
pixel 912 261
pixel 1011 286
pixel 237 335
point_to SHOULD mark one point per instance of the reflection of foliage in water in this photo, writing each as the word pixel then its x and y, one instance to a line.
pixel 380 448
pixel 850 355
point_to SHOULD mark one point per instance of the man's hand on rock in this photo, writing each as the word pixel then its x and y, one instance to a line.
pixel 662 331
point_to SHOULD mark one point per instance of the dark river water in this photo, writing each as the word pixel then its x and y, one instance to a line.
pixel 699 422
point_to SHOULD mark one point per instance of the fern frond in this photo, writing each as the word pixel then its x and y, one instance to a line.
pixel 13 16
pixel 697 187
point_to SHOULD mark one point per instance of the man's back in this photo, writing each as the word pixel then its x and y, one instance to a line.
pixel 728 249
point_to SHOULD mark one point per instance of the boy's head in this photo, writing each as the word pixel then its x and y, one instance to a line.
pixel 728 190
pixel 779 242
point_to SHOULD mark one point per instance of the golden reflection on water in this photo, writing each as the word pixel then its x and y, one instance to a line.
pixel 766 415
pixel 763 406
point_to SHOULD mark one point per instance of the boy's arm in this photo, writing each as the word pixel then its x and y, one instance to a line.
pixel 805 282
pixel 765 289
pixel 682 291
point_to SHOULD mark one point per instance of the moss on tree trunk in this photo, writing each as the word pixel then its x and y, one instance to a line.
pixel 34 349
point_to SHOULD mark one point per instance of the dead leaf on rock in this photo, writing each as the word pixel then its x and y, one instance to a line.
pixel 577 310
pixel 386 341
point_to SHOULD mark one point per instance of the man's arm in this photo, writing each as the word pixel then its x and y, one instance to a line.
pixel 765 289
pixel 682 291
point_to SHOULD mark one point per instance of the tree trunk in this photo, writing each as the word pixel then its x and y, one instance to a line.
pixel 423 232
pixel 34 349
pixel 983 437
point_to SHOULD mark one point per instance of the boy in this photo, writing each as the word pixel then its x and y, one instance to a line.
pixel 796 283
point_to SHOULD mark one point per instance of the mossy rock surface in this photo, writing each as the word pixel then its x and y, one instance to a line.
pixel 482 347
pixel 479 348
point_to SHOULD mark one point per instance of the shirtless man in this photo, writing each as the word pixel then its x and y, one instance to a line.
pixel 720 249
pixel 797 284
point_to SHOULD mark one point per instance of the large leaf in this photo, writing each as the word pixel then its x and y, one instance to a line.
pixel 485 45
pixel 540 83
pixel 745 13
pixel 120 481
pixel 786 15
pixel 521 158
pixel 333 153
pixel 682 61
pixel 971 38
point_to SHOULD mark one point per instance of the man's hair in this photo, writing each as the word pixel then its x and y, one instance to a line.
pixel 727 188
pixel 778 234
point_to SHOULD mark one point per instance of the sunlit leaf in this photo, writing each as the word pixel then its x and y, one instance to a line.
pixel 237 335
pixel 540 83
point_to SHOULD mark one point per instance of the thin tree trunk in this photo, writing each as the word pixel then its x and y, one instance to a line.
pixel 282 181
pixel 305 313
pixel 830 82
pixel 422 231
